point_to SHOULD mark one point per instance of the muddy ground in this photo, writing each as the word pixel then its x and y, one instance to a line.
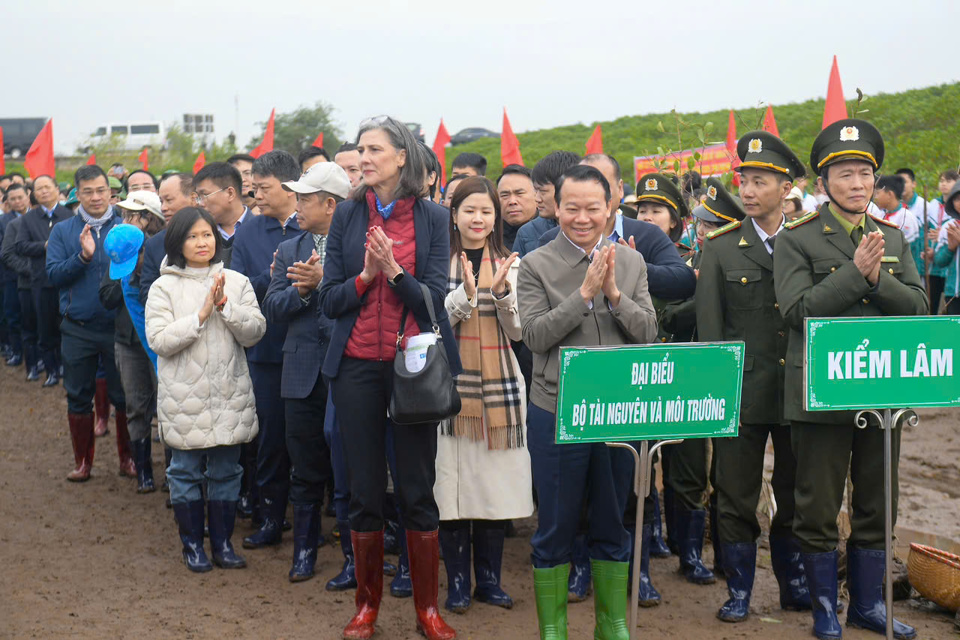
pixel 96 560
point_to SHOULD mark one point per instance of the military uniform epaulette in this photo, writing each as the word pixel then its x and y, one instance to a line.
pixel 724 229
pixel 801 220
pixel 886 222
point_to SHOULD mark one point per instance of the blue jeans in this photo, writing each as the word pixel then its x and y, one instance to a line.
pixel 185 474
pixel 567 474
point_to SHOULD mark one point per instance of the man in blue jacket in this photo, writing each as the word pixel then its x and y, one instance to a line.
pixel 292 298
pixel 76 262
pixel 31 244
pixel 254 247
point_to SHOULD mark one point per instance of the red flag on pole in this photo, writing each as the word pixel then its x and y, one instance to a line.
pixel 3 164
pixel 144 158
pixel 39 160
pixel 92 159
pixel 267 144
pixel 835 108
pixel 769 123
pixel 732 147
pixel 509 145
pixel 200 161
pixel 595 143
pixel 440 148
pixel 319 141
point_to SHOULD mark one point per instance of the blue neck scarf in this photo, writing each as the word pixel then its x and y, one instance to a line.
pixel 384 211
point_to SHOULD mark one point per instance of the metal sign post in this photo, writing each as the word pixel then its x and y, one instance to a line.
pixel 639 393
pixel 882 363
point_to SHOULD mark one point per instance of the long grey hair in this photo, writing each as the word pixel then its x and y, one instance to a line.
pixel 412 173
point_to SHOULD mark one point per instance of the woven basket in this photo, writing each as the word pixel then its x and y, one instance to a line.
pixel 936 575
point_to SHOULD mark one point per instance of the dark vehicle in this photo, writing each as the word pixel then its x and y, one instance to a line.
pixel 416 129
pixel 19 134
pixel 473 133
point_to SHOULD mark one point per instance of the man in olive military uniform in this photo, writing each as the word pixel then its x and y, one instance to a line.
pixel 684 464
pixel 736 300
pixel 840 262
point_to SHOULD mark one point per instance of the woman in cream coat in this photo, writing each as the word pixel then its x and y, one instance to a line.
pixel 483 466
pixel 199 318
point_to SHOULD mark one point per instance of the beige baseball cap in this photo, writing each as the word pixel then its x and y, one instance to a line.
pixel 325 176
pixel 142 201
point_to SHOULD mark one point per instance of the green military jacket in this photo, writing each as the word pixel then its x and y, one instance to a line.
pixel 817 278
pixel 736 300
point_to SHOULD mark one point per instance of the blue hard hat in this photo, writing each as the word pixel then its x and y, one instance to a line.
pixel 123 246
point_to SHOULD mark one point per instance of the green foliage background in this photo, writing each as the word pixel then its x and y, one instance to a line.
pixel 921 130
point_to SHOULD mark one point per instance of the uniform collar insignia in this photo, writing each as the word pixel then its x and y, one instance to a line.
pixel 743 242
pixel 827 229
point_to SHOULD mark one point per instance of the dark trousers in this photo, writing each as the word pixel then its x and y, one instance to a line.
pixel 11 312
pixel 565 475
pixel 47 304
pixel 83 347
pixel 936 292
pixel 824 453
pixel 685 471
pixel 953 307
pixel 139 380
pixel 28 327
pixel 273 462
pixel 4 334
pixel 361 392
pixel 341 481
pixel 740 478
pixel 309 454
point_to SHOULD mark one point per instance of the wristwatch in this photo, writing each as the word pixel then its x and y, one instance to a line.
pixel 396 279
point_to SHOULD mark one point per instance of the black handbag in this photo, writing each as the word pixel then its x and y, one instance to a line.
pixel 429 395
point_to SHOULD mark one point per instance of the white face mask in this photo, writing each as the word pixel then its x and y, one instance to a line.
pixel 63 202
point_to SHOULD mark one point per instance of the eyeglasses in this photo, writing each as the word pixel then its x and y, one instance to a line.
pixel 201 198
pixel 376 121
pixel 101 191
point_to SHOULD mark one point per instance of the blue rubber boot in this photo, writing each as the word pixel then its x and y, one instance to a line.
pixel 691 526
pixel 347 578
pixel 306 532
pixel 579 586
pixel 821 572
pixel 740 565
pixel 456 559
pixel 270 532
pixel 658 547
pixel 189 517
pixel 788 568
pixel 222 515
pixel 868 610
pixel 487 560
pixel 400 586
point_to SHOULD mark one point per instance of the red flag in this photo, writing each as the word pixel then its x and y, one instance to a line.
pixel 835 108
pixel 267 144
pixel 39 160
pixel 198 164
pixel 440 148
pixel 509 145
pixel 92 159
pixel 769 123
pixel 732 147
pixel 144 158
pixel 319 141
pixel 3 164
pixel 595 143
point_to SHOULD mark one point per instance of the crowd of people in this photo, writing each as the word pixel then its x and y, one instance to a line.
pixel 254 311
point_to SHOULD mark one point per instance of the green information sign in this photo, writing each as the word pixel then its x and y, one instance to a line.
pixel 649 392
pixel 881 363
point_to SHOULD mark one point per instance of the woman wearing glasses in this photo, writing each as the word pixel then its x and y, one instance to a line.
pixel 383 244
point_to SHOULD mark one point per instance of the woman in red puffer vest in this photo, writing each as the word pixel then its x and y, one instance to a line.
pixel 383 244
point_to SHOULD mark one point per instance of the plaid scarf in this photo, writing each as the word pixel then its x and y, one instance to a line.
pixel 490 383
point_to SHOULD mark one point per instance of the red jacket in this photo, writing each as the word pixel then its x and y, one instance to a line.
pixel 374 335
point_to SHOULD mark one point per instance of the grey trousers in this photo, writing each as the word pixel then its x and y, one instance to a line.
pixel 139 380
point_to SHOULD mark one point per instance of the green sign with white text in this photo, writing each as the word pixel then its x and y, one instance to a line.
pixel 881 363
pixel 649 392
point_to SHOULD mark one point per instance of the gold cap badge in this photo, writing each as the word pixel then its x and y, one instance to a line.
pixel 651 185
pixel 712 193
pixel 849 134
pixel 755 146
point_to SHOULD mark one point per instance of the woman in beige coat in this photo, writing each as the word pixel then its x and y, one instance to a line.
pixel 199 318
pixel 483 467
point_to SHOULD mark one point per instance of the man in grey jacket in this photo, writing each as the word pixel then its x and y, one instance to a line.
pixel 579 290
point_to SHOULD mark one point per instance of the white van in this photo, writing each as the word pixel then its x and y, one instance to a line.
pixel 136 135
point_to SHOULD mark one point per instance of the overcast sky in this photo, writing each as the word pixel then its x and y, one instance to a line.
pixel 550 63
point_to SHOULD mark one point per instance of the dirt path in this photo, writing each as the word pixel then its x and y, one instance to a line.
pixel 96 560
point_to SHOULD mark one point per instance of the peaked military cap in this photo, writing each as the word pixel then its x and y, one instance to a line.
pixel 660 189
pixel 763 150
pixel 848 139
pixel 717 205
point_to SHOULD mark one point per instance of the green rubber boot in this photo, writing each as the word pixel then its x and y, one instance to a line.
pixel 610 599
pixel 550 586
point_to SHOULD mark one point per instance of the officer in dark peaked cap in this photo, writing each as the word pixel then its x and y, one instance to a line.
pixel 840 262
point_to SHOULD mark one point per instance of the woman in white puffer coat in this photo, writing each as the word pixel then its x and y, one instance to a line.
pixel 199 318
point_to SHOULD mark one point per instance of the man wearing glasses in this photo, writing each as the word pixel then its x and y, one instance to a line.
pixel 76 262
pixel 218 189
